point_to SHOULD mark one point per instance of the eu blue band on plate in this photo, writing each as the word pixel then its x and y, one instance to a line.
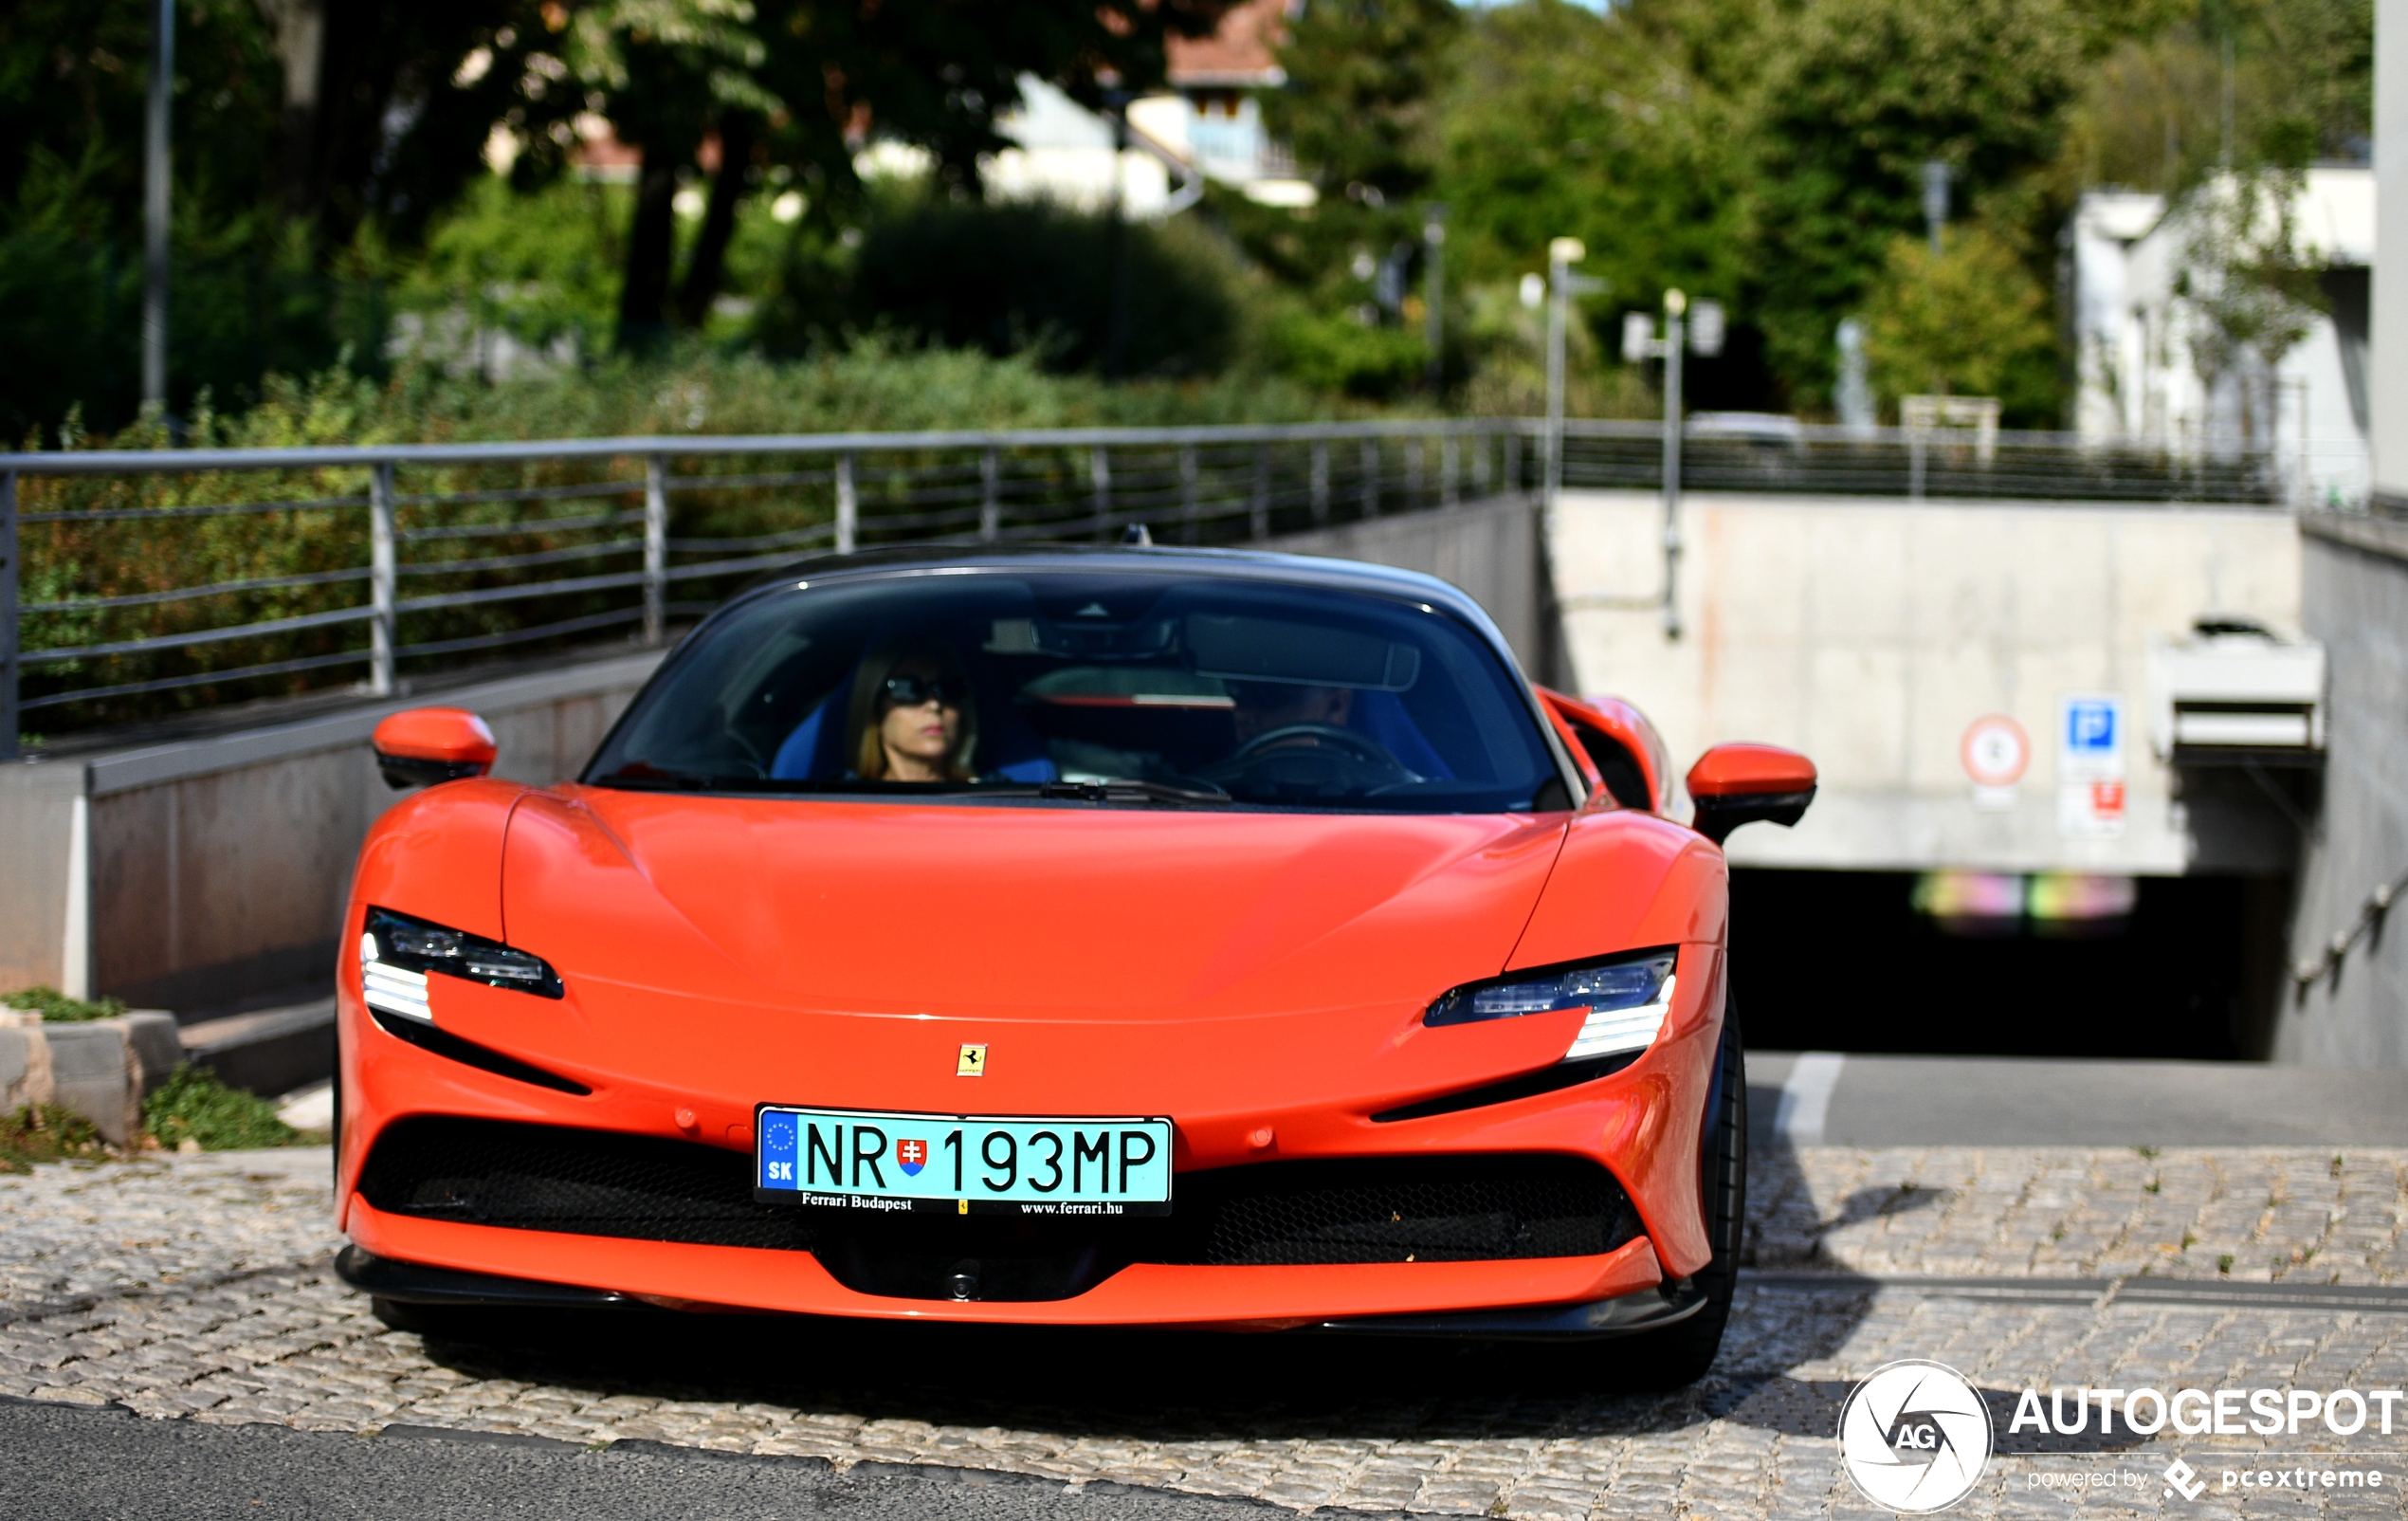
pixel 866 1159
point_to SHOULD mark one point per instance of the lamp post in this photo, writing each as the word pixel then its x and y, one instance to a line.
pixel 1640 342
pixel 1433 291
pixel 1935 201
pixel 155 204
pixel 1563 284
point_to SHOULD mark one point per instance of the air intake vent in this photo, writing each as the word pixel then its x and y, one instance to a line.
pixel 1388 1209
pixel 585 1182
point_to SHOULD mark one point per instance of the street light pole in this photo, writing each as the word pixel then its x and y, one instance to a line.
pixel 1433 292
pixel 1563 284
pixel 155 206
pixel 1676 306
pixel 1641 342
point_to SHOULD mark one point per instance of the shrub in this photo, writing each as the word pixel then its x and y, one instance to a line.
pixel 1026 276
pixel 56 1008
pixel 49 1133
pixel 194 1105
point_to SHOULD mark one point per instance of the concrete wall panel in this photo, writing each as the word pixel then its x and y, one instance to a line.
pixel 134 882
pixel 218 867
pixel 37 808
pixel 1872 633
pixel 2356 1013
pixel 1489 549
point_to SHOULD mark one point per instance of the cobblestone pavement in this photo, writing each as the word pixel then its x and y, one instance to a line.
pixel 200 1287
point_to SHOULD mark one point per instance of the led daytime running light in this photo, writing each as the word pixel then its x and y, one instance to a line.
pixel 397 952
pixel 1627 1000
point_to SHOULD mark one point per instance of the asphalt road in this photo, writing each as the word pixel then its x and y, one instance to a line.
pixel 66 1463
pixel 1822 1098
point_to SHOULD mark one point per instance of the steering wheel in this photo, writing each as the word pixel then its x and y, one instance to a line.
pixel 1326 756
pixel 1293 736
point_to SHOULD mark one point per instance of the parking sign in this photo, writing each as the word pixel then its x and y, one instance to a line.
pixel 2091 765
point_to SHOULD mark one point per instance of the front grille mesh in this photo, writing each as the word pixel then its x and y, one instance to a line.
pixel 588 1182
pixel 1434 1209
pixel 1389 1209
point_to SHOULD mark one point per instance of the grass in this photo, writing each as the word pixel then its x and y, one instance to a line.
pixel 193 1106
pixel 56 1008
pixel 49 1133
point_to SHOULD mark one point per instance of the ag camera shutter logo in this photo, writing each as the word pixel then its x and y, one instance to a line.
pixel 1915 1436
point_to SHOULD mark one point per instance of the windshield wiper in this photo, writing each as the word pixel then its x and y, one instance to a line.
pixel 1115 791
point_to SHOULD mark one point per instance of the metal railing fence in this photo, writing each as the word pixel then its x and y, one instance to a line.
pixel 135 583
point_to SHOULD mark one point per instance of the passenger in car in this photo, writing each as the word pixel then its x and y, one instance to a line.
pixel 912 718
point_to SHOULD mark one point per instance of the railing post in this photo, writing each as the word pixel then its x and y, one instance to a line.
pixel 382 574
pixel 656 544
pixel 847 506
pixel 1915 451
pixel 1480 443
pixel 1321 482
pixel 1100 476
pixel 990 495
pixel 1449 471
pixel 7 616
pixel 1191 506
pixel 1371 477
pixel 1417 471
pixel 1512 460
pixel 1258 516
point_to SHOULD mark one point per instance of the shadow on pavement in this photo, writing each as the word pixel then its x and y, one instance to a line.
pixel 1172 1386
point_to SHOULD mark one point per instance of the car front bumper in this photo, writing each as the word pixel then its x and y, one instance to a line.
pixel 1621 1294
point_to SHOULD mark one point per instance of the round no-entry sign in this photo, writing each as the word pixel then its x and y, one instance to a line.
pixel 1994 751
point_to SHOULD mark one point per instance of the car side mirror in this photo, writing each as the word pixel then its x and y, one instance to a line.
pixel 1735 784
pixel 421 746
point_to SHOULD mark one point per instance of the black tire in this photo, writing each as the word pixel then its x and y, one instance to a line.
pixel 1680 1354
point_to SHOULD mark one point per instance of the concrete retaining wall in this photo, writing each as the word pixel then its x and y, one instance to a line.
pixel 1872 633
pixel 203 873
pixel 1491 549
pixel 2356 597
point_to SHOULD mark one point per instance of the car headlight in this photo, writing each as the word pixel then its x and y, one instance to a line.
pixel 397 952
pixel 1627 997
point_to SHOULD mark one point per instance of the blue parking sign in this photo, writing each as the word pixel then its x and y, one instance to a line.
pixel 2091 724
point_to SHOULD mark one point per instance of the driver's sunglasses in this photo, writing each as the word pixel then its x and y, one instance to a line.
pixel 911 691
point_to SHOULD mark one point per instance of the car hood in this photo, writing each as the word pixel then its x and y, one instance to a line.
pixel 1048 912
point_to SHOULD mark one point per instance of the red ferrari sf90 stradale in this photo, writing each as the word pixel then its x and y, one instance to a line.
pixel 1101 937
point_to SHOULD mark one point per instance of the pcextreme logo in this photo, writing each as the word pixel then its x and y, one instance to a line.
pixel 1914 1438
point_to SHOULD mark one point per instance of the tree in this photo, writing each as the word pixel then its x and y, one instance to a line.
pixel 1859 95
pixel 1364 77
pixel 2250 292
pixel 803 83
pixel 1561 121
pixel 1972 323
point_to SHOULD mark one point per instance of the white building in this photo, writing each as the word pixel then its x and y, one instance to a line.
pixel 1207 125
pixel 2136 335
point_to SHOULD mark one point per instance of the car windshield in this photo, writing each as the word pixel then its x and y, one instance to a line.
pixel 1152 687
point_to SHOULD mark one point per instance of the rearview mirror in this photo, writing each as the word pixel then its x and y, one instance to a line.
pixel 424 745
pixel 1735 784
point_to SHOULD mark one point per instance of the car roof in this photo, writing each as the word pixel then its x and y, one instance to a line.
pixel 1232 564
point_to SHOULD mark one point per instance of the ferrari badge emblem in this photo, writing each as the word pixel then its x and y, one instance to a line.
pixel 911 1155
pixel 972 1063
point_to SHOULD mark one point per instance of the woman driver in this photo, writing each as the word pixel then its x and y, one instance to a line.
pixel 911 718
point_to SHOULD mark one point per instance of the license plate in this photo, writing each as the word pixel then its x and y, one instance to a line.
pixel 856 1160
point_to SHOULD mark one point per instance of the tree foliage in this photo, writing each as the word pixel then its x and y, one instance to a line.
pixel 1860 95
pixel 1972 323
